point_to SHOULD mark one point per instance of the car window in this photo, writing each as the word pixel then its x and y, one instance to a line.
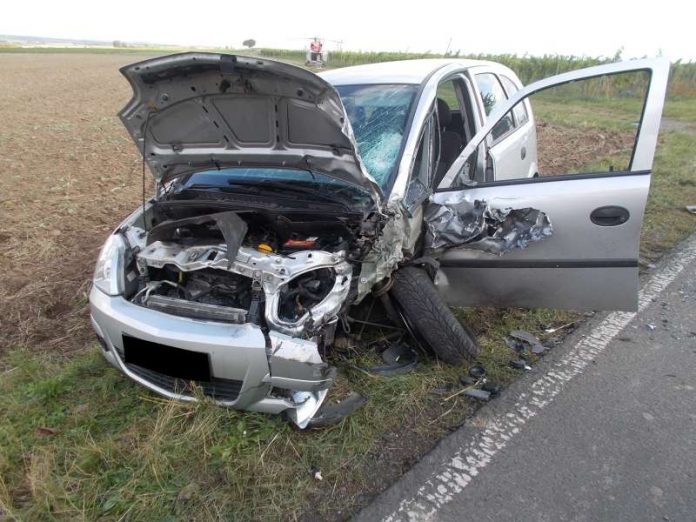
pixel 520 110
pixel 492 95
pixel 378 115
pixel 447 92
pixel 586 127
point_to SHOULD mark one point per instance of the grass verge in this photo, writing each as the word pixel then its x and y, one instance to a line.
pixel 79 440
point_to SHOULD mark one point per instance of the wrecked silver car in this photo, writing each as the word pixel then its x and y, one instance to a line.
pixel 283 198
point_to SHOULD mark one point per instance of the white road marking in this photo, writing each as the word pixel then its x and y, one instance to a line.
pixel 468 462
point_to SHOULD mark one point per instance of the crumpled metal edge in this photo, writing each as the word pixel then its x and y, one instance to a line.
pixel 477 225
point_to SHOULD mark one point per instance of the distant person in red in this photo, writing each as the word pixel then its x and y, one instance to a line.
pixel 315 50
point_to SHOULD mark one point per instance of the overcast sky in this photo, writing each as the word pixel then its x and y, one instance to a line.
pixel 587 27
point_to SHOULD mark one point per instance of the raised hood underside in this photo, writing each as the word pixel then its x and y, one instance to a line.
pixel 194 111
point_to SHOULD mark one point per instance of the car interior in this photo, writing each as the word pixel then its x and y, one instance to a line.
pixel 454 117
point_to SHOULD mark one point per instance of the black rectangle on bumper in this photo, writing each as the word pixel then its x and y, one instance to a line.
pixel 167 360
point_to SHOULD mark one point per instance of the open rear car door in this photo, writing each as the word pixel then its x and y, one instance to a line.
pixel 584 252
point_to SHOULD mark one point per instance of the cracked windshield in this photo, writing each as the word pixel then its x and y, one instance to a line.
pixel 378 114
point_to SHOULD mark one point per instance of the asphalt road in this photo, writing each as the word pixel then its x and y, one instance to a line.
pixel 603 429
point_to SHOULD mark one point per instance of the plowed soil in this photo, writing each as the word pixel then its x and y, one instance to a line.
pixel 69 174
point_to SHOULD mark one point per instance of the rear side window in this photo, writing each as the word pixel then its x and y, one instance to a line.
pixel 520 110
pixel 492 94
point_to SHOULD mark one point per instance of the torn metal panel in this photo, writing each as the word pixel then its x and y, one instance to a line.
pixel 386 253
pixel 296 364
pixel 477 225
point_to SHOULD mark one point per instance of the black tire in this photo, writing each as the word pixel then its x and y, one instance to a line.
pixel 431 320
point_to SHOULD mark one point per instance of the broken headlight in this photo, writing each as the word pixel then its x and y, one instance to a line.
pixel 108 274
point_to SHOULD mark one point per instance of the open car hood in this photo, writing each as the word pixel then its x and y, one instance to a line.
pixel 194 111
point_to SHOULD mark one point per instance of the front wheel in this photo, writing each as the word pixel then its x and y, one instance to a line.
pixel 429 317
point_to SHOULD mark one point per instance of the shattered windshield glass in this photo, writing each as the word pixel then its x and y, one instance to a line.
pixel 378 115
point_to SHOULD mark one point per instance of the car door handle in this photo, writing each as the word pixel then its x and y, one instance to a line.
pixel 609 216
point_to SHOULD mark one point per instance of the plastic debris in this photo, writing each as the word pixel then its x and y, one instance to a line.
pixel 481 395
pixel 476 372
pixel 515 345
pixel 442 390
pixel 520 364
pixel 316 473
pixel 650 327
pixel 333 413
pixel 691 208
pixel 533 342
pixel 398 358
pixel 493 388
pixel 465 380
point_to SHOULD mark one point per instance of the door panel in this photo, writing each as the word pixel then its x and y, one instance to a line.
pixel 581 266
pixel 591 260
pixel 515 153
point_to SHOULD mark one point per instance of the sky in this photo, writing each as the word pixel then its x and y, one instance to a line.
pixel 535 27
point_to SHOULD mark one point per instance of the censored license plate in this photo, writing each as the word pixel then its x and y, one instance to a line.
pixel 175 362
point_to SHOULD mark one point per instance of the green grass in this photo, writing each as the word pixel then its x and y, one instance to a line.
pixel 673 186
pixel 681 108
pixel 113 449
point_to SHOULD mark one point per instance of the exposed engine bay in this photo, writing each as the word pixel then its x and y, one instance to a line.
pixel 291 276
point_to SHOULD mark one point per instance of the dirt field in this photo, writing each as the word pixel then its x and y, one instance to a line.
pixel 69 174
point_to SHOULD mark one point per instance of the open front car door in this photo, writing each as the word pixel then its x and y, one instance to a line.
pixel 569 236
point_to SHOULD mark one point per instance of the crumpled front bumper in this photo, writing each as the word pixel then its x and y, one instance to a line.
pixel 248 370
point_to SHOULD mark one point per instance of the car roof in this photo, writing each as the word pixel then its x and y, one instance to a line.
pixel 402 71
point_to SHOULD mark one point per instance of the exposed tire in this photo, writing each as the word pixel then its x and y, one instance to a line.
pixel 431 320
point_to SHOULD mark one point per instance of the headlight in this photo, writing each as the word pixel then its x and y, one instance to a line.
pixel 108 274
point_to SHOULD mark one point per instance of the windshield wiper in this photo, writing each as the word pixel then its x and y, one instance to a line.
pixel 257 187
pixel 248 189
pixel 292 187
